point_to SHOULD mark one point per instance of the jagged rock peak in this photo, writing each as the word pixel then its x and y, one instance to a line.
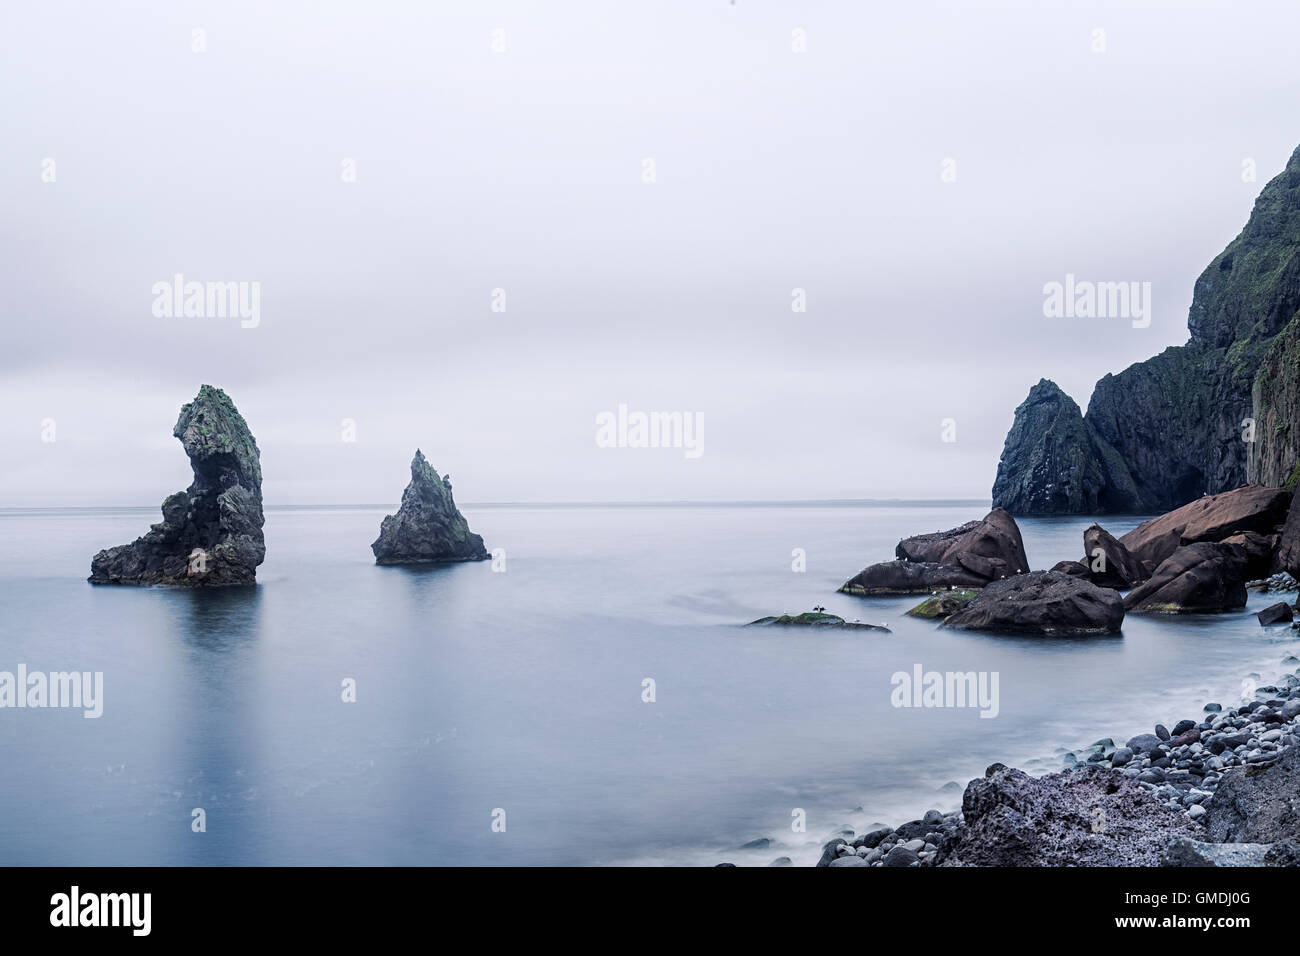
pixel 1053 463
pixel 428 528
pixel 211 533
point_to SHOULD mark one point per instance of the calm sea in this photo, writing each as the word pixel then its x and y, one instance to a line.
pixel 521 691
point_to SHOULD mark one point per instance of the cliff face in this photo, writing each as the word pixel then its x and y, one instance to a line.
pixel 1275 403
pixel 211 533
pixel 1172 428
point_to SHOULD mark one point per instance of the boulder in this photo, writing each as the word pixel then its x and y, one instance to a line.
pixel 831 851
pixel 1279 613
pixel 1074 569
pixel 1198 578
pixel 1110 564
pixel 211 533
pixel 428 528
pixel 990 548
pixel 1256 804
pixel 909 577
pixel 1085 817
pixel 1260 550
pixel 1211 518
pixel 1043 603
pixel 1184 851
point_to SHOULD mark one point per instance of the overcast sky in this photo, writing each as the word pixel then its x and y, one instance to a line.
pixel 523 169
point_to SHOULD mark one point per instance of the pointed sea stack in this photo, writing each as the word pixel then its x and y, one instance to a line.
pixel 211 534
pixel 427 529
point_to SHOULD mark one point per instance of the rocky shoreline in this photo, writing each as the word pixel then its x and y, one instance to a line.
pixel 1203 791
pixel 1213 791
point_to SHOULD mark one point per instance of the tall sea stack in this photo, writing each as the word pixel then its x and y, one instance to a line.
pixel 427 529
pixel 1200 418
pixel 211 533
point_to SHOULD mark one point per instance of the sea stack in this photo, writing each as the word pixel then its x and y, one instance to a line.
pixel 211 533
pixel 427 529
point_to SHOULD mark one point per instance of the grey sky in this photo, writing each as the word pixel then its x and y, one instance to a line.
pixel 522 170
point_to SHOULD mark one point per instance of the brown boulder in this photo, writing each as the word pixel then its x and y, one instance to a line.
pixel 1259 549
pixel 991 547
pixel 1110 564
pixel 1073 568
pixel 1211 518
pixel 1202 577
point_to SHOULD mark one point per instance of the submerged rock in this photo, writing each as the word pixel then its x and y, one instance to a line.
pixel 427 529
pixel 211 534
pixel 1279 613
pixel 1042 603
pixel 815 619
pixel 943 604
pixel 1199 578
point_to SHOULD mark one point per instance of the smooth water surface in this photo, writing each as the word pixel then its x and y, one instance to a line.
pixel 522 690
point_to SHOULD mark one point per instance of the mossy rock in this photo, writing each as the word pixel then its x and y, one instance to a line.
pixel 942 604
pixel 814 619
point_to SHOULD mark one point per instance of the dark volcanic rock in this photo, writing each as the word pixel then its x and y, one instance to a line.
pixel 909 577
pixel 1260 551
pixel 1086 817
pixel 1053 463
pixel 1203 577
pixel 1257 804
pixel 815 619
pixel 1212 518
pixel 1279 613
pixel 1184 851
pixel 1173 424
pixel 1073 568
pixel 1110 564
pixel 211 534
pixel 1042 602
pixel 991 547
pixel 427 529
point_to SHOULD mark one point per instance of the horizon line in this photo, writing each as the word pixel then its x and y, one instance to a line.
pixel 616 503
